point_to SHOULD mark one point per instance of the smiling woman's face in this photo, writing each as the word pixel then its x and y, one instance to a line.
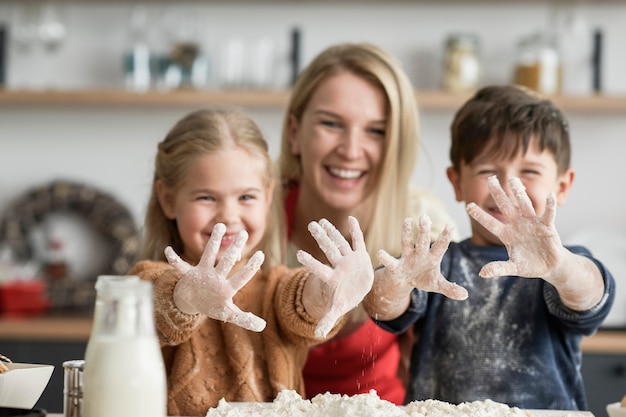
pixel 341 140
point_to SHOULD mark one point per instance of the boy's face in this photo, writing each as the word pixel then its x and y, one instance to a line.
pixel 537 170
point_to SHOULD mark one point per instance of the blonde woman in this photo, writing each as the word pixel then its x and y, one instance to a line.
pixel 349 147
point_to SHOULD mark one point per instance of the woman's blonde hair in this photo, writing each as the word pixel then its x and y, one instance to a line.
pixel 199 133
pixel 402 134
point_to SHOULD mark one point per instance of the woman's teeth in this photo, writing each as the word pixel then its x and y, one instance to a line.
pixel 348 174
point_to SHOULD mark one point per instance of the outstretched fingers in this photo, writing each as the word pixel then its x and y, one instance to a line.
pixel 319 269
pixel 242 277
pixel 325 241
pixel 452 290
pixel 213 246
pixel 358 240
pixel 248 321
pixel 232 254
pixel 499 269
pixel 523 201
pixel 423 237
pixel 388 261
pixel 174 260
pixel 549 215
pixel 440 245
pixel 406 237
pixel 501 199
pixel 481 216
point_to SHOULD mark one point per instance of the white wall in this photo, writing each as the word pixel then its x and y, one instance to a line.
pixel 112 147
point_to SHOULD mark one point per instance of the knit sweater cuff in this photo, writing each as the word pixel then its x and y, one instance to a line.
pixel 164 302
pixel 173 326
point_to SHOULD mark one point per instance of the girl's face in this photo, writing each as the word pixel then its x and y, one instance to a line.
pixel 537 171
pixel 221 187
pixel 341 141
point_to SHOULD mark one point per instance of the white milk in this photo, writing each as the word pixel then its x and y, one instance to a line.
pixel 124 377
pixel 124 374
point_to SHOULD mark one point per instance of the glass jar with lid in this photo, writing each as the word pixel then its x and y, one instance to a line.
pixel 461 63
pixel 538 63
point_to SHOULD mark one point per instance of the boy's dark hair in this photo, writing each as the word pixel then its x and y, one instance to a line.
pixel 506 118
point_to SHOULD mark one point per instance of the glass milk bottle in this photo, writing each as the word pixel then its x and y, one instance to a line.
pixel 124 375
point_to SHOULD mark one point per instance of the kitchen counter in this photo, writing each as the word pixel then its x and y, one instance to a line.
pixel 533 413
pixel 53 328
pixel 48 328
pixel 606 341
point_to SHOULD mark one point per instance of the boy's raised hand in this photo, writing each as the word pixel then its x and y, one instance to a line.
pixel 420 264
pixel 533 243
pixel 206 287
pixel 419 267
pixel 347 280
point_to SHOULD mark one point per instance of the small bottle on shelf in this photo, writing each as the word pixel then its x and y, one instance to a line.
pixel 538 63
pixel 137 57
pixel 461 63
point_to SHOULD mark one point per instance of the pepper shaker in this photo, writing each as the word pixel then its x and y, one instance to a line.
pixel 73 388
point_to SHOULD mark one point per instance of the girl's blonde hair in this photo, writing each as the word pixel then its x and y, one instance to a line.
pixel 402 134
pixel 199 133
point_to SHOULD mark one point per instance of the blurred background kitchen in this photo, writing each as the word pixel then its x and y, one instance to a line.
pixel 88 88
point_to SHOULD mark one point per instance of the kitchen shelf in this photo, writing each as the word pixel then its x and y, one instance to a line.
pixel 271 99
pixel 268 99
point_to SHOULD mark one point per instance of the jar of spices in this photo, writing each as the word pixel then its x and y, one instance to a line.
pixel 538 65
pixel 461 63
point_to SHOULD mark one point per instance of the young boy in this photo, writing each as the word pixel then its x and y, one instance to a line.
pixel 514 340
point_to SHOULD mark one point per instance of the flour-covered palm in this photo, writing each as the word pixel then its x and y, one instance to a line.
pixel 420 264
pixel 533 244
pixel 206 288
pixel 350 276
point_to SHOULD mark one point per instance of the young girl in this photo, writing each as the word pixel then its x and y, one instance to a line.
pixel 228 330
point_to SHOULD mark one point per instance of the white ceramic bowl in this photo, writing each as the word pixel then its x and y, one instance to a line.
pixel 616 410
pixel 22 385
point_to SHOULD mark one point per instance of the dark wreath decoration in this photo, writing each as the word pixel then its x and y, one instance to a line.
pixel 101 210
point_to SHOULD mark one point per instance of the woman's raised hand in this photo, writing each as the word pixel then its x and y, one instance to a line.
pixel 348 278
pixel 206 287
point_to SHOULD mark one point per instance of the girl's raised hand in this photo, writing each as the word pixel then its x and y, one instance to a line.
pixel 206 287
pixel 348 279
